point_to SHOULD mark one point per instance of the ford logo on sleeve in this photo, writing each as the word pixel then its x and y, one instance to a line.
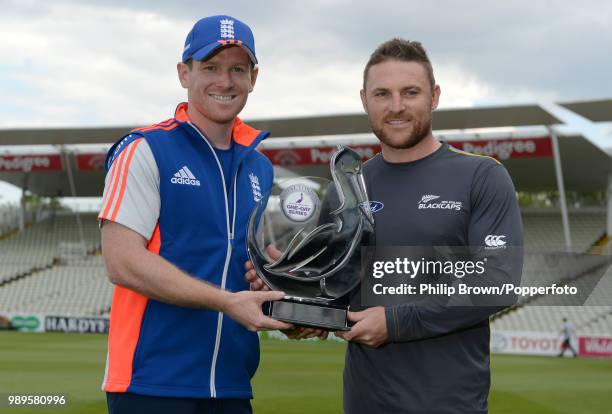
pixel 374 206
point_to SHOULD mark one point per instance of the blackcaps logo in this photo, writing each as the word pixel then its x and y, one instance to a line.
pixel 427 202
pixel 428 198
pixel 299 202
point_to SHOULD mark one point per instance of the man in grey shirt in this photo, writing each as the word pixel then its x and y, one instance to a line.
pixel 568 335
pixel 425 359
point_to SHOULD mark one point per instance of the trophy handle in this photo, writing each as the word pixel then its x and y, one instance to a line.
pixel 312 256
pixel 347 163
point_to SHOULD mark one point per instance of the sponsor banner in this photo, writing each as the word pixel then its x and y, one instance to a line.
pixel 595 346
pixel 503 149
pixel 26 163
pixel 80 324
pixel 310 156
pixel 36 322
pixel 278 335
pixel 527 343
pixel 90 162
pixel 24 322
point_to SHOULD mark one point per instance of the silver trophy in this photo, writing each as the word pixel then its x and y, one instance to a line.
pixel 304 238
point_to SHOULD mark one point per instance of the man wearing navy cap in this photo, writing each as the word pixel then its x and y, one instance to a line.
pixel 177 198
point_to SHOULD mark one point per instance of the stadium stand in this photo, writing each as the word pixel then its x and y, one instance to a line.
pixel 42 243
pixel 586 319
pixel 544 231
pixel 547 263
pixel 43 272
pixel 48 269
pixel 9 219
pixel 77 288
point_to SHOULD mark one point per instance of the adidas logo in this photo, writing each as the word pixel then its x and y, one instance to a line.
pixel 185 177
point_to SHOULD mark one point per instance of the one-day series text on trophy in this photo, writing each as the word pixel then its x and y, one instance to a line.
pixel 303 239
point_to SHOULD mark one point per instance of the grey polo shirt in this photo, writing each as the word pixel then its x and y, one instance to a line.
pixel 437 359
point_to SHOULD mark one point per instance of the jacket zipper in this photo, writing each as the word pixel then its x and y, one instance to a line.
pixel 230 242
pixel 230 239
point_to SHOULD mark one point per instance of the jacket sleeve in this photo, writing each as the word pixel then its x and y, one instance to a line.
pixel 495 236
pixel 131 189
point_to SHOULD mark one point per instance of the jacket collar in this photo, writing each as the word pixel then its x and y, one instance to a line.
pixel 242 133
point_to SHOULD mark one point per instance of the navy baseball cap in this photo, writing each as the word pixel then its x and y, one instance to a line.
pixel 211 33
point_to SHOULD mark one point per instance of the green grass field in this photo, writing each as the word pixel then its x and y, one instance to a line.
pixel 294 377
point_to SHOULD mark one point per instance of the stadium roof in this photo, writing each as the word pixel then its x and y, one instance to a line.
pixel 595 111
pixel 444 119
pixel 586 162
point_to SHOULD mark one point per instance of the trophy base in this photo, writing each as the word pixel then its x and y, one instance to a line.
pixel 313 315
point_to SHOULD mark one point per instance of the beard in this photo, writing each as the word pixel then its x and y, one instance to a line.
pixel 420 129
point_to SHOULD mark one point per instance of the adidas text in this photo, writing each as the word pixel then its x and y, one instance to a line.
pixel 185 176
pixel 185 181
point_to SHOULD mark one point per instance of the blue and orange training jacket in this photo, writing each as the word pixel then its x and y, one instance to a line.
pixel 160 349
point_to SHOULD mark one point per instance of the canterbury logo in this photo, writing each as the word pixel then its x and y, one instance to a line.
pixel 428 198
pixel 185 177
pixel 495 241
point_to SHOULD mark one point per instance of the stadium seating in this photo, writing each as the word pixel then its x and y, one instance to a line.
pixel 9 218
pixel 547 263
pixel 543 229
pixel 586 319
pixel 75 288
pixel 47 269
pixel 40 244
pixel 41 273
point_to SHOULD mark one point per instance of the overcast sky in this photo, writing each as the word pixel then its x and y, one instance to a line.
pixel 103 63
